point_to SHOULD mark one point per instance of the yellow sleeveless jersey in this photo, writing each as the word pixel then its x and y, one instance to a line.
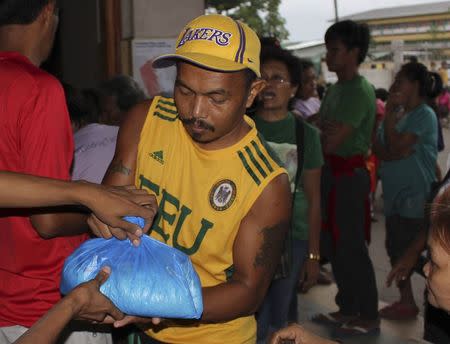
pixel 202 196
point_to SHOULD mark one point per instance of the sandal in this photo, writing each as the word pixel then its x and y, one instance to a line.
pixel 399 311
pixel 358 327
pixel 331 319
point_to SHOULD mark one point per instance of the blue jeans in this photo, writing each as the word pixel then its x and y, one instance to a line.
pixel 273 313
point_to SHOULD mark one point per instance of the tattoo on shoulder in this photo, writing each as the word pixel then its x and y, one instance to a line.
pixel 273 240
pixel 119 167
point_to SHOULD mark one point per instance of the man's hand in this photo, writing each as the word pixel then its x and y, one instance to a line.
pixel 309 274
pixel 297 334
pixel 330 127
pixel 110 203
pixel 394 103
pixel 334 134
pixel 85 302
pixel 402 269
pixel 91 305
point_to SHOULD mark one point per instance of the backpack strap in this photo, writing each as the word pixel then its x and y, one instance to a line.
pixel 300 140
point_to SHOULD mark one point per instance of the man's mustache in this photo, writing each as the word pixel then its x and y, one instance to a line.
pixel 197 122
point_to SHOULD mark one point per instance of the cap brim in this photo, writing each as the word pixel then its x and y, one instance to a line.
pixel 202 60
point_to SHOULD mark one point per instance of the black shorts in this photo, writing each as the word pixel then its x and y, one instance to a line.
pixel 400 233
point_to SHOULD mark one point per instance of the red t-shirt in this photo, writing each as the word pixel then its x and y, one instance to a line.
pixel 35 138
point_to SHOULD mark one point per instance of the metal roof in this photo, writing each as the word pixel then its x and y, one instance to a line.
pixel 303 45
pixel 401 11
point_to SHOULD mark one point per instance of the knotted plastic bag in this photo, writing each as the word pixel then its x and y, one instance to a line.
pixel 150 280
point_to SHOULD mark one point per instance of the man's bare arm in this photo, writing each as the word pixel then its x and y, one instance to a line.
pixel 119 167
pixel 122 169
pixel 256 254
pixel 108 203
pixel 311 268
pixel 84 302
pixel 120 172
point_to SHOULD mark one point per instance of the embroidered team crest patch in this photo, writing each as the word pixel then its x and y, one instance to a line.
pixel 222 195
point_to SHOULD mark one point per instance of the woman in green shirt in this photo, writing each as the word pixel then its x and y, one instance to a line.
pixel 277 124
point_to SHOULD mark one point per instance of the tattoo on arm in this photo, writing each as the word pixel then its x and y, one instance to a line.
pixel 119 167
pixel 269 252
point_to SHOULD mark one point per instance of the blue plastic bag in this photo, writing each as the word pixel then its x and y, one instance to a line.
pixel 151 280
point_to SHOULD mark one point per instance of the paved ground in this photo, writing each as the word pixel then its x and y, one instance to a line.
pixel 321 299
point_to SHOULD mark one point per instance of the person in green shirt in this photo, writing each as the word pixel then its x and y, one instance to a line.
pixel 347 116
pixel 277 124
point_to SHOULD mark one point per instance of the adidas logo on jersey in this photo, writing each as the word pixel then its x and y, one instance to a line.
pixel 158 156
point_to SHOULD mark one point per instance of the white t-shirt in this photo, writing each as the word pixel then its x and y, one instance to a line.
pixel 95 145
pixel 307 107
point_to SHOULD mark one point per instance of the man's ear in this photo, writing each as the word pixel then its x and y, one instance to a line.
pixel 46 15
pixel 257 86
pixel 294 91
pixel 355 53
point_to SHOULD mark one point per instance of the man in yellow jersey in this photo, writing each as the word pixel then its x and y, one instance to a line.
pixel 223 198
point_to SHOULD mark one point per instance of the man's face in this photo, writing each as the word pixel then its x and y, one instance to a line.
pixel 212 104
pixel 339 56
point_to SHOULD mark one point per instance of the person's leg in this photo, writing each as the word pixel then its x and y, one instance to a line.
pixel 273 314
pixel 263 316
pixel 400 233
pixel 410 229
pixel 344 297
pixel 357 286
pixel 408 232
pixel 299 254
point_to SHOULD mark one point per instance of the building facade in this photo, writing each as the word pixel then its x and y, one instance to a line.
pixel 424 29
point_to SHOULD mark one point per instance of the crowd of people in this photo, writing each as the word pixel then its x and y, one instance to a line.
pixel 258 202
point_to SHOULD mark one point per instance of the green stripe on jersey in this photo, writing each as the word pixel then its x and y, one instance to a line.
pixel 248 168
pixel 165 117
pixel 167 102
pixel 174 112
pixel 262 156
pixel 255 162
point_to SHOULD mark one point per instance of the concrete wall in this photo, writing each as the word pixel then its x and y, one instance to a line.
pixel 149 19
pixel 126 7
pixel 162 18
pixel 378 77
